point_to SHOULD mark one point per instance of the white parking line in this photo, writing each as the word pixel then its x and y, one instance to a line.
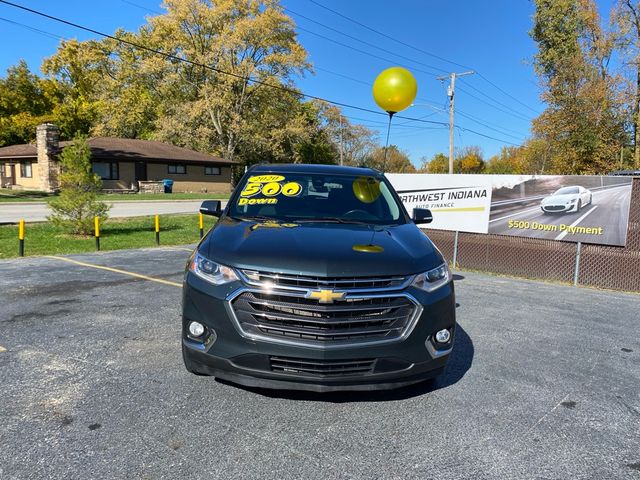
pixel 117 270
pixel 564 234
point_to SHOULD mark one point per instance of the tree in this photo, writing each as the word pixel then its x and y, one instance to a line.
pixel 76 206
pixel 25 102
pixel 251 110
pixel 469 160
pixel 105 89
pixel 356 142
pixel 439 163
pixel 584 122
pixel 397 161
pixel 251 39
pixel 627 21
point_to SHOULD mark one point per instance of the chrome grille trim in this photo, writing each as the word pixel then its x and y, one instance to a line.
pixel 311 343
pixel 304 283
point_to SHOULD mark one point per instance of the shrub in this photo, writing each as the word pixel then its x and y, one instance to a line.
pixel 76 206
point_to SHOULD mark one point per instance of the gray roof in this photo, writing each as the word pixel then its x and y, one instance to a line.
pixel 125 149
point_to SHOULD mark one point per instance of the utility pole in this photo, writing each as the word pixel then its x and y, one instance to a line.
pixel 341 146
pixel 451 94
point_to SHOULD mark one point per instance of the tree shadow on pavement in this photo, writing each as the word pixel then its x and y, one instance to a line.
pixel 459 362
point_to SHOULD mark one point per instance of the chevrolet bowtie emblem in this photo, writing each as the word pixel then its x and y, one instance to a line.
pixel 325 296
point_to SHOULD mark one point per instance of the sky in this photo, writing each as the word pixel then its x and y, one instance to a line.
pixel 349 43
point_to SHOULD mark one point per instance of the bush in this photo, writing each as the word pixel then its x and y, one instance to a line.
pixel 76 206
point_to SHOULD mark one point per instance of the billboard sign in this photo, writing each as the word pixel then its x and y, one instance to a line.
pixel 578 208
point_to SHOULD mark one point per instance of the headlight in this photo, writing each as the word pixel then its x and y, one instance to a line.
pixel 433 279
pixel 210 271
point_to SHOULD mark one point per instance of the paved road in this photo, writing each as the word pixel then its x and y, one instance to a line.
pixel 609 209
pixel 92 385
pixel 37 212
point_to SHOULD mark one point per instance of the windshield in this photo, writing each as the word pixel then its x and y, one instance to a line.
pixel 567 191
pixel 317 197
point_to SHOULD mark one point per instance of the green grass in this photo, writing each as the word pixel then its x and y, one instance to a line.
pixel 35 196
pixel 116 234
pixel 7 195
pixel 161 196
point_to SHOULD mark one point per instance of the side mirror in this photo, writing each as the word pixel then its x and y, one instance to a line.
pixel 422 215
pixel 211 207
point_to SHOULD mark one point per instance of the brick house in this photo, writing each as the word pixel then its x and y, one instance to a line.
pixel 120 162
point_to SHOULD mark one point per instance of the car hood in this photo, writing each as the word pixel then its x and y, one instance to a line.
pixel 322 249
pixel 560 198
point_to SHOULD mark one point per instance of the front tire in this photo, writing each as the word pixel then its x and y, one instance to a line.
pixel 579 206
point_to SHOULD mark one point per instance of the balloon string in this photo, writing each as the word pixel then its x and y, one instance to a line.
pixel 386 145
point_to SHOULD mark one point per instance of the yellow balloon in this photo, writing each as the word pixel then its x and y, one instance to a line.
pixel 366 189
pixel 394 89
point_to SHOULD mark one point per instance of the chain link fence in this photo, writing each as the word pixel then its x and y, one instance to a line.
pixel 616 268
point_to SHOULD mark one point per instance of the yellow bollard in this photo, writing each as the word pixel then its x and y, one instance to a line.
pixel 157 229
pixel 96 222
pixel 21 238
pixel 201 220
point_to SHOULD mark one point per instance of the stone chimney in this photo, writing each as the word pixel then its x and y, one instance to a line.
pixel 47 137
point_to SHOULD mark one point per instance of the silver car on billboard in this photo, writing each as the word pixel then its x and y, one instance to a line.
pixel 567 200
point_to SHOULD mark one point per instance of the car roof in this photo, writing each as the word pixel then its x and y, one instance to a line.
pixel 312 168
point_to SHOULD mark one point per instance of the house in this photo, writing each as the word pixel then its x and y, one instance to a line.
pixel 120 162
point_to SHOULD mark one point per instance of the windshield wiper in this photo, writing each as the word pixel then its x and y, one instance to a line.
pixel 330 219
pixel 261 218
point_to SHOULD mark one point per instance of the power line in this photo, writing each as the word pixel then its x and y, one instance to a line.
pixel 491 98
pixel 372 123
pixel 488 125
pixel 394 54
pixel 362 41
pixel 208 67
pixel 378 32
pixel 141 7
pixel 364 52
pixel 362 82
pixel 487 136
pixel 248 79
pixel 507 94
pixel 508 112
pixel 33 29
pixel 388 36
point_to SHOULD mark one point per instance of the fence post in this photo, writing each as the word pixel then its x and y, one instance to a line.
pixel 455 251
pixel 96 223
pixel 201 222
pixel 576 273
pixel 21 238
pixel 157 229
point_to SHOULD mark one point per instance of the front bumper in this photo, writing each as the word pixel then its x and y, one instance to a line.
pixel 560 208
pixel 227 354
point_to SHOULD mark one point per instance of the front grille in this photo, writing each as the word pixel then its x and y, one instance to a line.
pixel 305 320
pixel 321 368
pixel 555 208
pixel 278 280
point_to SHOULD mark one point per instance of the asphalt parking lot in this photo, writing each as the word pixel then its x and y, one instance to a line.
pixel 544 383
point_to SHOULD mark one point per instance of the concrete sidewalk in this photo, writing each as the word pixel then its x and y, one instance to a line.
pixel 38 211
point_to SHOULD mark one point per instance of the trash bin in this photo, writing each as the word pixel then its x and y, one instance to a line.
pixel 168 185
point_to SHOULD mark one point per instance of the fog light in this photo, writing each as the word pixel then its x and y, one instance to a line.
pixel 196 329
pixel 443 336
